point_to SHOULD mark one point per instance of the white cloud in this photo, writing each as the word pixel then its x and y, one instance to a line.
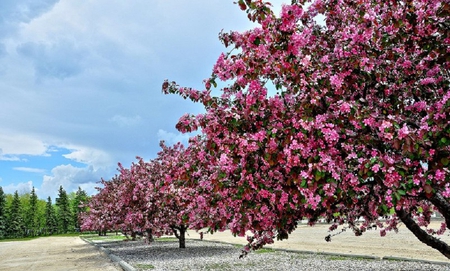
pixel 59 60
pixel 70 178
pixel 90 156
pixel 29 169
pixel 12 145
pixel 126 121
pixel 21 188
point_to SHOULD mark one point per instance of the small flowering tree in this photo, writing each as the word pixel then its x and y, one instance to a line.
pixel 186 191
pixel 103 211
pixel 358 127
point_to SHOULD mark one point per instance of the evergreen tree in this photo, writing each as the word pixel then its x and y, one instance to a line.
pixel 81 198
pixel 50 217
pixel 2 214
pixel 32 213
pixel 15 226
pixel 64 212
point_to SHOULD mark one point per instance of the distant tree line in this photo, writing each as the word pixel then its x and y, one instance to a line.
pixel 24 215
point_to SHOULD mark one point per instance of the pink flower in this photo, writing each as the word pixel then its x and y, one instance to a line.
pixel 336 81
pixel 439 175
pixel 376 168
pixel 345 107
pixel 331 135
pixel 427 81
pixel 403 132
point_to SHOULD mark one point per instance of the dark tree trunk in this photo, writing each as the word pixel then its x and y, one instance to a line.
pixel 443 206
pixel 422 235
pixel 149 235
pixel 133 236
pixel 180 233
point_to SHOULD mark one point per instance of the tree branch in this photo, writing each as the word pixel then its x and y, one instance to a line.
pixel 422 235
pixel 443 206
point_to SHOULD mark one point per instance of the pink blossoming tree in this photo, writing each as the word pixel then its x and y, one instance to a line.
pixel 359 126
pixel 159 197
pixel 103 213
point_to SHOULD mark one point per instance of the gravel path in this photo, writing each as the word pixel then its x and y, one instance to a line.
pixel 204 255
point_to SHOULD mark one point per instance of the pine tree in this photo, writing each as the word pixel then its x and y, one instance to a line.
pixel 64 212
pixel 2 214
pixel 16 225
pixel 50 217
pixel 32 213
pixel 81 197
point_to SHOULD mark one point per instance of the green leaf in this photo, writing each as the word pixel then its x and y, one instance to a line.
pixel 392 211
pixel 397 196
pixel 303 184
pixel 213 82
pixel 401 192
pixel 445 161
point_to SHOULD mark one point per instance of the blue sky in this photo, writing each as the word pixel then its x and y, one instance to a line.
pixel 80 83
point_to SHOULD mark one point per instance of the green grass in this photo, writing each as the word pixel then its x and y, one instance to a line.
pixel 265 250
pixel 113 237
pixel 145 266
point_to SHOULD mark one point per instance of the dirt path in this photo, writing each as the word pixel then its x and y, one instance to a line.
pixel 53 254
pixel 403 244
pixel 73 254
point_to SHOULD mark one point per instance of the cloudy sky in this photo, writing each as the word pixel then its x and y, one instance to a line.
pixel 80 83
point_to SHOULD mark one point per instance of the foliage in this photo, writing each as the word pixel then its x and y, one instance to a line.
pixel 15 222
pixel 78 206
pixel 63 211
pixel 148 198
pixel 359 125
pixel 51 221
pixel 3 228
pixel 25 216
pixel 32 215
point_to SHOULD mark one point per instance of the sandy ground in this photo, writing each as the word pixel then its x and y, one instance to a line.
pixel 53 254
pixel 73 254
pixel 305 238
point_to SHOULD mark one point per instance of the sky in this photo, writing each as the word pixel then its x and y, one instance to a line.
pixel 80 83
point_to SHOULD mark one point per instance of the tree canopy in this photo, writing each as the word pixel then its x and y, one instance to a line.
pixel 358 128
pixel 344 119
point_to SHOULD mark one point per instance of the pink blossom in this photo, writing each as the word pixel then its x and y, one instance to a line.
pixel 345 107
pixel 439 175
pixel 336 81
pixel 427 81
pixel 403 132
pixel 376 168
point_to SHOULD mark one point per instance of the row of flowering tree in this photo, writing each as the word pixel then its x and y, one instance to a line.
pixel 358 129
pixel 151 197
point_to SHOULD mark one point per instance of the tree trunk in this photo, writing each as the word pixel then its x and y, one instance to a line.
pixel 422 235
pixel 443 206
pixel 181 235
pixel 149 235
